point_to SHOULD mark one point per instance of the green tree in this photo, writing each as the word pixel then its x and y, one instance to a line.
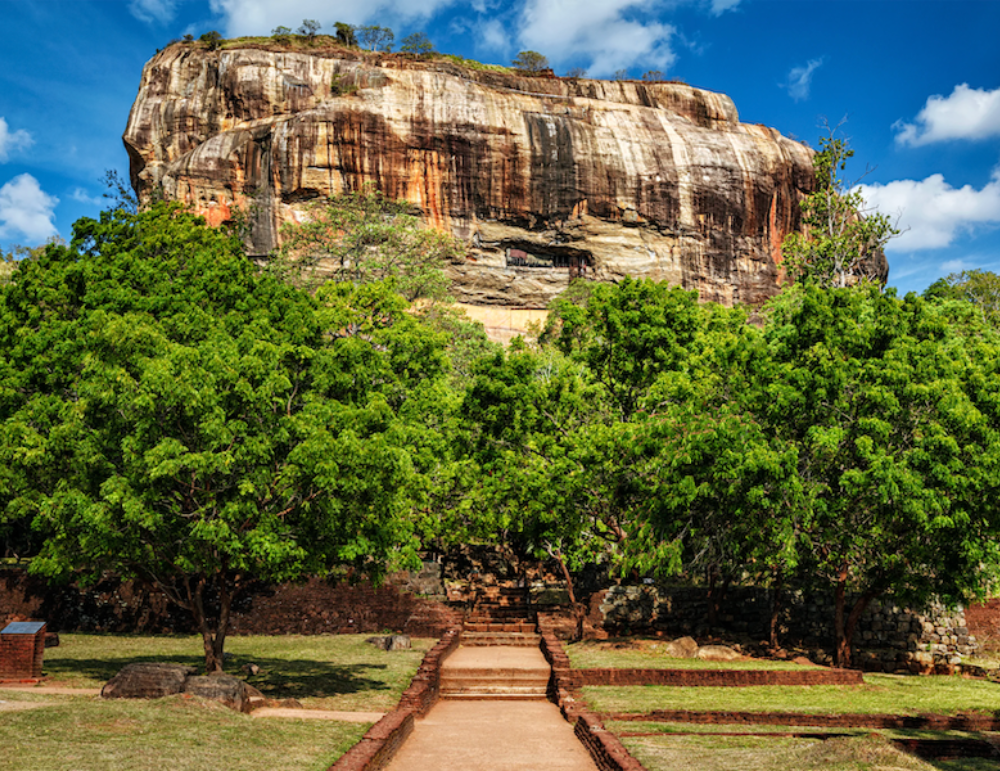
pixel 376 38
pixel 561 432
pixel 364 237
pixel 212 39
pixel 882 402
pixel 980 288
pixel 417 43
pixel 309 27
pixel 843 241
pixel 169 413
pixel 345 34
pixel 530 62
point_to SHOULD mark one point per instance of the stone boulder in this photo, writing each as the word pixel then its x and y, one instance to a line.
pixel 147 680
pixel 390 642
pixel 150 680
pixel 682 648
pixel 227 690
pixel 717 653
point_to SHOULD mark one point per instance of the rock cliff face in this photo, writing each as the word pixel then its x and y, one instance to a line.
pixel 544 178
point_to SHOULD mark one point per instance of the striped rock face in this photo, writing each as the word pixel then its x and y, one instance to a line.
pixel 544 178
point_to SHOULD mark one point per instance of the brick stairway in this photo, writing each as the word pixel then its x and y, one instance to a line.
pixel 495 672
pixel 499 657
pixel 501 616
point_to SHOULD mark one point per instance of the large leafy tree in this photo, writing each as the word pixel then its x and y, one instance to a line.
pixel 560 432
pixel 886 406
pixel 980 288
pixel 169 413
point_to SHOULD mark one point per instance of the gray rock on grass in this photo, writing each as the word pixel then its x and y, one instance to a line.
pixel 390 642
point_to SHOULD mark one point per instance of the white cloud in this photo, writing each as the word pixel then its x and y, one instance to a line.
pixel 799 79
pixel 954 266
pixel 149 11
pixel 969 113
pixel 26 210
pixel 12 141
pixel 493 36
pixel 604 30
pixel 83 196
pixel 719 7
pixel 931 212
pixel 259 17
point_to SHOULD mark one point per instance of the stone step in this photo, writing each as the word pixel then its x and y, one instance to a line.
pixel 501 638
pixel 503 689
pixel 504 612
pixel 476 696
pixel 502 599
pixel 500 626
pixel 495 675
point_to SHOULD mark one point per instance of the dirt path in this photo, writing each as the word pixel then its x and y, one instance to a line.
pixel 487 733
pixel 318 714
pixel 492 736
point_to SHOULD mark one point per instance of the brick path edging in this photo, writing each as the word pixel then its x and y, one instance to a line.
pixel 730 678
pixel 967 722
pixel 605 748
pixel 377 747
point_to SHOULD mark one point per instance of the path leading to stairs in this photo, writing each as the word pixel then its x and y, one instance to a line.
pixel 496 731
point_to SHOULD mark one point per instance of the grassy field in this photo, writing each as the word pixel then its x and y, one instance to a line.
pixel 340 672
pixel 85 733
pixel 892 694
pixel 88 734
pixel 648 654
pixel 868 752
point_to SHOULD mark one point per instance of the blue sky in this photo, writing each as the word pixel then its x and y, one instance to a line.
pixel 918 81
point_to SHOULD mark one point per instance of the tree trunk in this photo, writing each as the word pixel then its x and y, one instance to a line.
pixel 775 612
pixel 713 605
pixel 844 628
pixel 213 640
pixel 860 605
pixel 842 646
pixel 716 596
pixel 557 555
pixel 568 577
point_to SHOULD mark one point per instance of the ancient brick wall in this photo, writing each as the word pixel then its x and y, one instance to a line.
pixel 316 606
pixel 724 678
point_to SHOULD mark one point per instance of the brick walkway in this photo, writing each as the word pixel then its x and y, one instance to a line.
pixel 482 728
pixel 492 736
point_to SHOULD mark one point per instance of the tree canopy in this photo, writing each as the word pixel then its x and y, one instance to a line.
pixel 170 413
pixel 530 61
pixel 847 438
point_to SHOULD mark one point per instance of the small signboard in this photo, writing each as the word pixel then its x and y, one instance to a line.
pixel 23 627
pixel 22 646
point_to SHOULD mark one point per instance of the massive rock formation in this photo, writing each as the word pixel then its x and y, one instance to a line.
pixel 545 178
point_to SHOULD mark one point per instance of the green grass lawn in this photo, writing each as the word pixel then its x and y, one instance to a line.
pixel 647 654
pixel 85 733
pixel 340 672
pixel 89 734
pixel 892 694
pixel 869 752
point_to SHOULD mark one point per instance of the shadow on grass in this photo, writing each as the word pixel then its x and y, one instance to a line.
pixel 277 679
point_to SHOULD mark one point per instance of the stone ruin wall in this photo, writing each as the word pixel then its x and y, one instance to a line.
pixel 889 637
